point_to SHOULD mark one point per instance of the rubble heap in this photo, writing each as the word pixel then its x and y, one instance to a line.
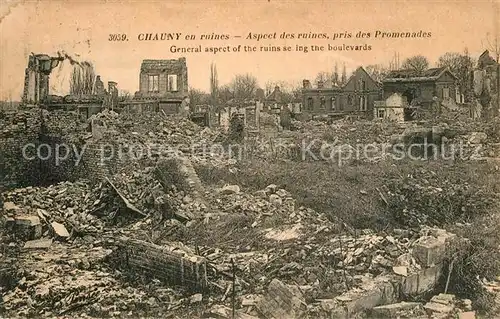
pixel 350 132
pixel 152 128
pixel 67 278
pixel 71 204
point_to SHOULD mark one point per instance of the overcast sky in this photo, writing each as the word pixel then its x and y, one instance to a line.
pixel 82 28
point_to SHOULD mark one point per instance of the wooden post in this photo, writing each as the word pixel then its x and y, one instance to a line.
pixel 233 297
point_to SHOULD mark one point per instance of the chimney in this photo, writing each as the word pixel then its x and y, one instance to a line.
pixel 306 84
pixel 320 84
pixel 112 86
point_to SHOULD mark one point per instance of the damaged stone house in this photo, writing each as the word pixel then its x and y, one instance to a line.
pixel 393 108
pixel 321 99
pixel 356 96
pixel 164 81
pixel 277 101
pixel 486 62
pixel 274 100
pixel 431 87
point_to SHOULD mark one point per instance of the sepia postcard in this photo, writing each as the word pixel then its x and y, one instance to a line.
pixel 250 159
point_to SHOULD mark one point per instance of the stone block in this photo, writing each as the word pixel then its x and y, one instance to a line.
pixel 392 310
pixel 59 230
pixel 27 227
pixel 377 292
pixel 428 278
pixel 27 220
pixel 437 308
pixel 421 281
pixel 38 244
pixel 281 301
pixel 445 299
pixel 430 250
pixel 467 315
pixel 409 285
pixel 230 189
pixel 10 207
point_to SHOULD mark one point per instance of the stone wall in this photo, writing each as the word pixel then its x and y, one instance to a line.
pixel 29 142
pixel 174 265
pixel 405 283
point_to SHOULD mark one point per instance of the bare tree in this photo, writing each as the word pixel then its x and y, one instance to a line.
pixel 377 71
pixel 295 91
pixel 461 65
pixel 417 63
pixel 343 80
pixel 244 86
pixel 214 84
pixel 271 85
pixel 82 78
pixel 323 76
pixel 198 97
pixel 225 94
pixel 394 64
pixel 336 75
pixel 493 45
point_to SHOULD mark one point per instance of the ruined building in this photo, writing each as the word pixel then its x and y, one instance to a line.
pixel 486 84
pixel 422 89
pixel 356 96
pixel 165 81
pixel 36 80
pixel 87 97
pixel 99 86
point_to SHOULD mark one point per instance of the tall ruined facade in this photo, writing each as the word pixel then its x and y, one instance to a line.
pixel 163 78
pixel 36 79
pixel 165 81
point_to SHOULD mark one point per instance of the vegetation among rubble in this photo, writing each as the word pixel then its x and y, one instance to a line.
pixel 460 196
pixel 475 262
pixel 416 192
pixel 453 194
pixel 168 172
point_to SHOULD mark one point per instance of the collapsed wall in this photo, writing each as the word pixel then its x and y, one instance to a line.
pixel 40 148
pixel 28 144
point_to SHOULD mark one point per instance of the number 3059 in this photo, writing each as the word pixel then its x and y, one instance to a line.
pixel 117 37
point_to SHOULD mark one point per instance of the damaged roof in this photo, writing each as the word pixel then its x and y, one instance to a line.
pixel 353 75
pixel 486 59
pixel 414 76
pixel 163 65
pixel 275 95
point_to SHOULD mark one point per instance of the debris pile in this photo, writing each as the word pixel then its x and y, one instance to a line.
pixel 67 278
pixel 267 237
pixel 409 199
pixel 350 132
pixel 448 306
pixel 69 204
pixel 154 137
pixel 277 259
pixel 152 128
